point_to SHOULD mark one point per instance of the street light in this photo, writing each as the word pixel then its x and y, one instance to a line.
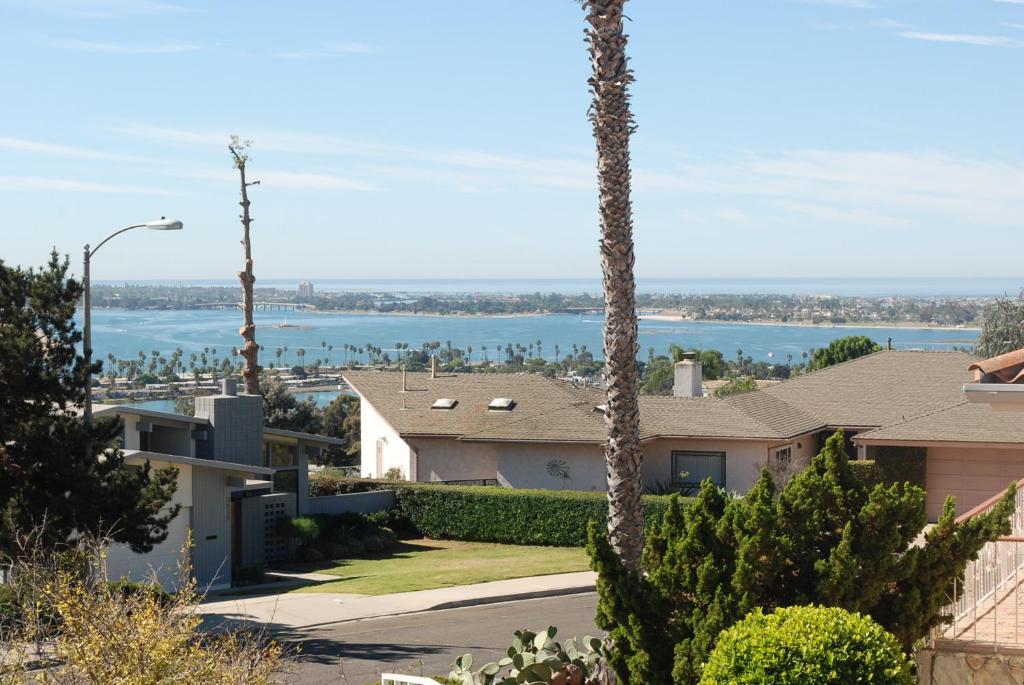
pixel 161 224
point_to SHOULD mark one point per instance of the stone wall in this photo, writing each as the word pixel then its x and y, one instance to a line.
pixel 948 667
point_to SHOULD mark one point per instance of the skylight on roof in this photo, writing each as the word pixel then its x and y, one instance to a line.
pixel 501 404
pixel 444 403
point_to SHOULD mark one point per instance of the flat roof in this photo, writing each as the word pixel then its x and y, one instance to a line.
pixel 231 466
pixel 99 410
pixel 298 435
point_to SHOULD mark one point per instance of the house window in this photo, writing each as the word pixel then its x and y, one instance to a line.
pixel 278 454
pixel 286 481
pixel 689 469
pixel 784 457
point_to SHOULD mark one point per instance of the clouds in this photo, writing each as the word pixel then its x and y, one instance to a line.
pixel 23 183
pixel 110 48
pixel 331 49
pixel 103 9
pixel 966 38
pixel 875 189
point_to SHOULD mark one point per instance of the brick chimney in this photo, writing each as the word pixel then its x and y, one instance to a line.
pixel 689 378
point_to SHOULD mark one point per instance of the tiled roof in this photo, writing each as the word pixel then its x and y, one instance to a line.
pixel 876 390
pixel 1004 368
pixel 964 422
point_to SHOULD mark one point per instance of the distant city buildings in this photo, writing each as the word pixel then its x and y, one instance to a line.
pixel 305 290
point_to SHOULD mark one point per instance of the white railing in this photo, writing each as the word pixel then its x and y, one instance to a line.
pixel 985 606
pixel 399 679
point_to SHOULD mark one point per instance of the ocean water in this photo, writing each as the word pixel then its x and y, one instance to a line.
pixel 321 397
pixel 124 333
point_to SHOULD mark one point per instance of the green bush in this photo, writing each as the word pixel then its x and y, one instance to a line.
pixel 522 517
pixel 807 646
pixel 305 529
pixel 395 521
pixel 902 464
pixel 486 513
pixel 868 472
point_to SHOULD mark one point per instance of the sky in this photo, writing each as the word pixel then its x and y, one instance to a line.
pixel 776 138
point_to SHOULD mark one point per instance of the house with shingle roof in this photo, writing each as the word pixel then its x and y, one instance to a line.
pixel 446 427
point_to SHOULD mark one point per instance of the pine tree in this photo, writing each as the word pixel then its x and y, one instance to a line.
pixel 824 539
pixel 59 478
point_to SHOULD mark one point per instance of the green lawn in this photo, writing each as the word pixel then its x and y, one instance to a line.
pixel 428 564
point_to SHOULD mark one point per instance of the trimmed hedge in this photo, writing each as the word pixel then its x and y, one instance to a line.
pixel 807 646
pixel 902 464
pixel 522 517
pixel 479 513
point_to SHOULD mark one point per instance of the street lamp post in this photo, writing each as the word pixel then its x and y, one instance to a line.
pixel 162 224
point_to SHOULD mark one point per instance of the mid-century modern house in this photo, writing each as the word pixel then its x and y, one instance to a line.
pixel 236 478
pixel 527 431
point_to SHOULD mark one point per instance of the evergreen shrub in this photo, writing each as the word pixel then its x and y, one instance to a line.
pixel 805 645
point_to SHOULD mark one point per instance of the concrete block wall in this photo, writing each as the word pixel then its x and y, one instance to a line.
pixel 236 428
pixel 358 502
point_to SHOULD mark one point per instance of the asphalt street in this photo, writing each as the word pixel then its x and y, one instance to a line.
pixel 357 652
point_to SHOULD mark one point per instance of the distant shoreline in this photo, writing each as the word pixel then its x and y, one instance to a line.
pixel 667 318
pixel 910 325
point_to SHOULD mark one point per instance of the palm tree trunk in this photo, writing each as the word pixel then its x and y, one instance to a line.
pixel 613 124
pixel 250 351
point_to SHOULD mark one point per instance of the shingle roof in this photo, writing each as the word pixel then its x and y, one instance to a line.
pixel 880 388
pixel 875 390
pixel 963 422
pixel 538 400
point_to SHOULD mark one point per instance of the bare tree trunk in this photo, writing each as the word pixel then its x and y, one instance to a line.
pixel 613 124
pixel 250 350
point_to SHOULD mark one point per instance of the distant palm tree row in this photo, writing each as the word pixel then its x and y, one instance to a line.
pixel 155 365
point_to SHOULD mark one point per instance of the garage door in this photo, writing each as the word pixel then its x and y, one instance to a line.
pixel 970 475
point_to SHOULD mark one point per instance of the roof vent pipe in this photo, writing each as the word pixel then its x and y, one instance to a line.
pixel 433 367
pixel 404 385
pixel 228 387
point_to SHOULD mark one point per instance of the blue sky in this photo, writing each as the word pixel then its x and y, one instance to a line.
pixel 450 139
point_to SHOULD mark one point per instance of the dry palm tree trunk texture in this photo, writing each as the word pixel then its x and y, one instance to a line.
pixel 250 350
pixel 613 124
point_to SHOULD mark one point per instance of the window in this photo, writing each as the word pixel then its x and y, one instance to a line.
pixel 689 469
pixel 784 457
pixel 278 454
pixel 286 481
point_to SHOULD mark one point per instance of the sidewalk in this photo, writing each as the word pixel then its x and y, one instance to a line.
pixel 296 611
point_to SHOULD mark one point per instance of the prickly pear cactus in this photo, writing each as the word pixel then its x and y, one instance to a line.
pixel 537 659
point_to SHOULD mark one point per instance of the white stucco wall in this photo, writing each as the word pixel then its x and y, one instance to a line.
pixel 396 452
pixel 163 559
pixel 451 459
pixel 525 465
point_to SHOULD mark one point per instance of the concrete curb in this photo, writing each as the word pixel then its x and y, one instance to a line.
pixel 463 603
pixel 497 599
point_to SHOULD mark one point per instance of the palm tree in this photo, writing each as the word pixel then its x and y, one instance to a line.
pixel 558 351
pixel 612 125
